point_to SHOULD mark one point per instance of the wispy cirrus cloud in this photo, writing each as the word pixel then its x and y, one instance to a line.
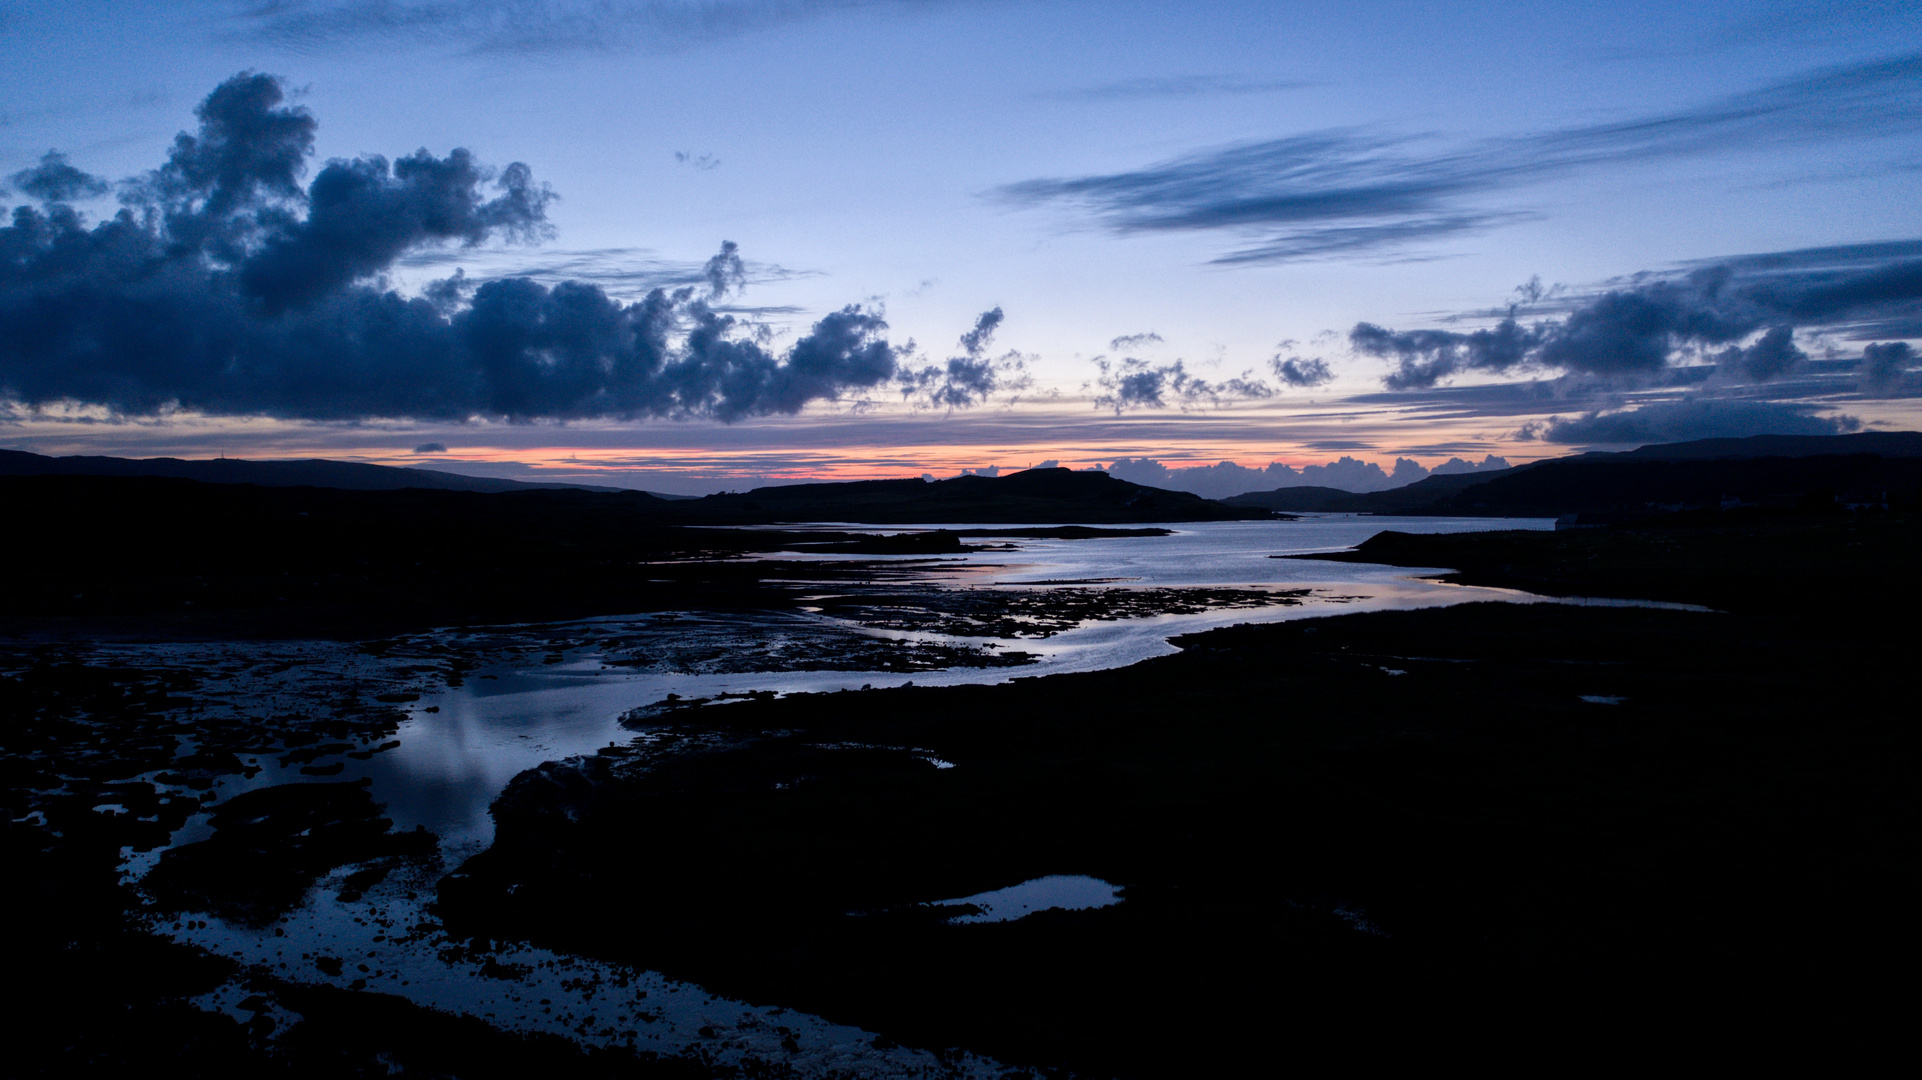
pixel 622 271
pixel 1355 191
pixel 1150 87
pixel 529 27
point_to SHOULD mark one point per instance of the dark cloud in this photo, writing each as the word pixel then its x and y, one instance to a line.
pixel 976 341
pixel 969 379
pixel 527 27
pixel 53 180
pixel 362 215
pixel 1350 191
pixel 1678 421
pixel 702 162
pixel 1770 358
pixel 1176 86
pixel 1299 373
pixel 725 272
pixel 1135 341
pixel 1425 357
pixel 225 286
pixel 1129 383
pixel 1640 331
pixel 431 448
pixel 1885 367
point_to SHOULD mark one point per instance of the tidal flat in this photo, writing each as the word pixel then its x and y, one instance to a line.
pixel 1429 823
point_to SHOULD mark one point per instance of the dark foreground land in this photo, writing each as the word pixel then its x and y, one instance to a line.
pixel 1516 828
pixel 1544 832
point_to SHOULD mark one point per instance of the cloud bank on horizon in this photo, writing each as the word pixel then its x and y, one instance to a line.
pixel 1226 479
pixel 224 286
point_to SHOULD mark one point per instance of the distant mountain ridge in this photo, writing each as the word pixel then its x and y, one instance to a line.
pixel 1034 496
pixel 299 472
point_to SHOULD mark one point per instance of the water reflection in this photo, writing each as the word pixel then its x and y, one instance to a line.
pixel 462 745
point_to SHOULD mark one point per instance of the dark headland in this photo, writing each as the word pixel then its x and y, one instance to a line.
pixel 1542 833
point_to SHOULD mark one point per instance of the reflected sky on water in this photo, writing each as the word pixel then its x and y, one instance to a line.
pixel 512 716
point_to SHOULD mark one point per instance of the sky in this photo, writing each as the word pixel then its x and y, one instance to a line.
pixel 698 246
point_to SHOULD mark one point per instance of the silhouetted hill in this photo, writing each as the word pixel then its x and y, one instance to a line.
pixel 1034 496
pixel 1805 471
pixel 305 472
pixel 1626 485
pixel 1896 444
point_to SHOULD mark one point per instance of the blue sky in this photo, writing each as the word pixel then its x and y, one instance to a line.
pixel 1225 187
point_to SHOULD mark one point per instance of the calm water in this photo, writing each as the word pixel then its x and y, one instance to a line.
pixel 452 762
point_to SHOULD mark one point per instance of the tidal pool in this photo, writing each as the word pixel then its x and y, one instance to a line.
pixel 1055 892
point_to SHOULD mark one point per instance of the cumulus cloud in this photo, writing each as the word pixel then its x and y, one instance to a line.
pixel 1771 357
pixel 1130 383
pixel 56 181
pixel 226 286
pixel 1885 366
pixel 1679 421
pixel 1350 191
pixel 1301 374
pixel 969 379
